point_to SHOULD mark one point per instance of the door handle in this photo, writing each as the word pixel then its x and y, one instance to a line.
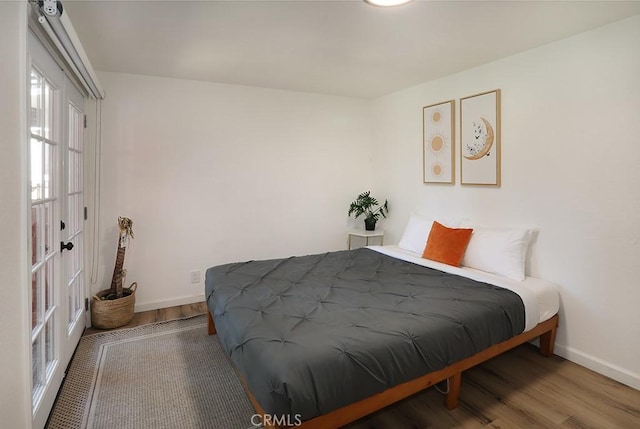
pixel 67 246
pixel 62 225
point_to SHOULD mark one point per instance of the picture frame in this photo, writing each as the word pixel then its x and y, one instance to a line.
pixel 480 146
pixel 438 143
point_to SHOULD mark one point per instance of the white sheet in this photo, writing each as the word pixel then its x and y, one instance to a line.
pixel 540 297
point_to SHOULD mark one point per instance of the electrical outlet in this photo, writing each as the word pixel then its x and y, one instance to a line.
pixel 195 276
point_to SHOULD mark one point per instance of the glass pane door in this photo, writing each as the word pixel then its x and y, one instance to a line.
pixel 74 214
pixel 44 203
pixel 56 127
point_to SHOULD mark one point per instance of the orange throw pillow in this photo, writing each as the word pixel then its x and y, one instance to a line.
pixel 447 245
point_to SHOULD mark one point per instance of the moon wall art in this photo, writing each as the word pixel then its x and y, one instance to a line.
pixel 438 137
pixel 480 139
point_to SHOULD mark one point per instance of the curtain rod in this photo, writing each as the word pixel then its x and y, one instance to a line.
pixel 58 27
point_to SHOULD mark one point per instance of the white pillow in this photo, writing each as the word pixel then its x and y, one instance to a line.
pixel 414 238
pixel 499 251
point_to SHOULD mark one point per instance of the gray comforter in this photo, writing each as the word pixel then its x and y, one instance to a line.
pixel 314 333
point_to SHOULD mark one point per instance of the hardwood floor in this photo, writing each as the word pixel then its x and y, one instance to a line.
pixel 518 389
pixel 160 315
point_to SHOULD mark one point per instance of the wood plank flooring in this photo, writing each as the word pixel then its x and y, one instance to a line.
pixel 518 389
pixel 159 315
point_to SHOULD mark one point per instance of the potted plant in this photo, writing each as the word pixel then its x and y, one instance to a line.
pixel 366 205
pixel 113 307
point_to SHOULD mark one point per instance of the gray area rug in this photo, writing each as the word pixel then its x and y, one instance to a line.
pixel 163 375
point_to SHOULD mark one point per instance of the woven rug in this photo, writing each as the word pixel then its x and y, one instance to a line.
pixel 163 375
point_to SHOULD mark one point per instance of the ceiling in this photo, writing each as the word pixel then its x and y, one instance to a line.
pixel 340 47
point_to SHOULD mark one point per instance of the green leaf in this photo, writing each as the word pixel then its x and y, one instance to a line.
pixel 366 204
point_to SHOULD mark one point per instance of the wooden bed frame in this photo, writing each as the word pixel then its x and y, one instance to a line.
pixel 453 373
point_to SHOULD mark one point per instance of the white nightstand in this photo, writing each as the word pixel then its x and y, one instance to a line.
pixel 366 235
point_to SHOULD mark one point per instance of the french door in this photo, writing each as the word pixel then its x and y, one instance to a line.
pixel 56 128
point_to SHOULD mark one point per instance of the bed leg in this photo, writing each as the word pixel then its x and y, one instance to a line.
pixel 548 340
pixel 211 326
pixel 451 399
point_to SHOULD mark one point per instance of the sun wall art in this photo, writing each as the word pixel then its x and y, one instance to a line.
pixel 480 139
pixel 438 150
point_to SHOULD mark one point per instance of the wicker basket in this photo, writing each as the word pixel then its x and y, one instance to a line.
pixel 113 313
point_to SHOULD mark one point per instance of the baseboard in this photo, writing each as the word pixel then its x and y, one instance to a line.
pixel 600 366
pixel 168 303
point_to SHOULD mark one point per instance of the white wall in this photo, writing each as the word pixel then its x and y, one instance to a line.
pixel 214 173
pixel 220 173
pixel 15 347
pixel 570 166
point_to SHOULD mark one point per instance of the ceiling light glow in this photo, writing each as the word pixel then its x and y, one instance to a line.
pixel 387 3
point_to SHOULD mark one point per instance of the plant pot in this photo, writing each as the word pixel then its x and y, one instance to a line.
pixel 113 313
pixel 370 224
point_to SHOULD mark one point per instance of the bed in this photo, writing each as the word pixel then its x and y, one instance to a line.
pixel 326 339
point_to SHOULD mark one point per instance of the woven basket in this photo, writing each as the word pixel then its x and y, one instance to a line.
pixel 113 313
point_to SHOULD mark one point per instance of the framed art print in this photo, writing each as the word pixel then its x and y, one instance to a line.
pixel 480 139
pixel 438 137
